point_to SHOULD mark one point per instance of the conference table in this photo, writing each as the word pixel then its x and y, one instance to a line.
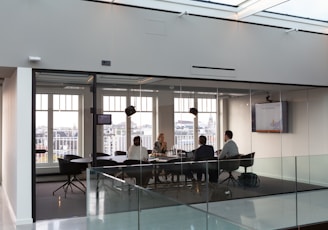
pixel 88 160
pixel 158 163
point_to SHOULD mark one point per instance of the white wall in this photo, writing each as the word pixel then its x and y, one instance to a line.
pixel 16 148
pixel 77 35
pixel 306 139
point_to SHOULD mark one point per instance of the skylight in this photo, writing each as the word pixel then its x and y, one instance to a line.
pixel 300 15
pixel 225 2
pixel 310 9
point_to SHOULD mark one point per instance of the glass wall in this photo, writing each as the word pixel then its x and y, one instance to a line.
pixel 64 121
pixel 62 117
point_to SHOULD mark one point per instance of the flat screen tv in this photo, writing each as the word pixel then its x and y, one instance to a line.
pixel 270 117
pixel 104 119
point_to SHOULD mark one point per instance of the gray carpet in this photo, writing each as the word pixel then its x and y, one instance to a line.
pixel 74 205
pixel 49 206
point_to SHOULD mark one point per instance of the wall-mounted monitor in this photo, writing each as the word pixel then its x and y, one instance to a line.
pixel 104 119
pixel 270 117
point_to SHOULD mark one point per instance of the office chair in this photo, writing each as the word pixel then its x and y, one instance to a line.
pixel 106 166
pixel 247 160
pixel 119 153
pixel 71 170
pixel 174 167
pixel 229 165
pixel 69 157
pixel 100 154
pixel 142 171
pixel 209 168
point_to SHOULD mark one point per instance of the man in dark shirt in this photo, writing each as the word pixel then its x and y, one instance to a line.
pixel 202 153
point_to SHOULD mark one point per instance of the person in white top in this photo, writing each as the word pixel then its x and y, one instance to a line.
pixel 230 148
pixel 137 151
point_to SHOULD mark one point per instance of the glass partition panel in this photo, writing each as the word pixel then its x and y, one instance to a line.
pixel 270 189
pixel 61 101
pixel 116 204
pixel 312 205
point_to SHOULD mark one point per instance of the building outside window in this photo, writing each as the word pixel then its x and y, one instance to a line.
pixel 57 126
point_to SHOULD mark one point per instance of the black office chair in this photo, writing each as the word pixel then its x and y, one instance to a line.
pixel 100 154
pixel 142 171
pixel 209 168
pixel 247 160
pixel 229 165
pixel 102 163
pixel 119 153
pixel 106 166
pixel 213 169
pixel 71 170
pixel 175 167
pixel 70 157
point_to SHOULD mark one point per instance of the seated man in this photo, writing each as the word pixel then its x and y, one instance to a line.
pixel 136 153
pixel 202 153
pixel 230 148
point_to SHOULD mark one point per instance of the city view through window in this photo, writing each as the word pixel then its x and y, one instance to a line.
pixel 62 117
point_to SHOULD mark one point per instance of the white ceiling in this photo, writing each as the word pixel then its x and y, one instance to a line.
pixel 299 15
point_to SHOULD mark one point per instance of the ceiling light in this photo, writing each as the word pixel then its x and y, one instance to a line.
pixel 144 80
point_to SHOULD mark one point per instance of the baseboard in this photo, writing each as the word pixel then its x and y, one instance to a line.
pixel 24 221
pixel 55 177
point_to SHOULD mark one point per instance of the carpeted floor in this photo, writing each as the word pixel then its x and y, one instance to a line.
pixel 49 206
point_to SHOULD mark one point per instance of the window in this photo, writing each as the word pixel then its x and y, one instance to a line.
pixel 141 122
pixel 57 126
pixel 41 132
pixel 188 127
pixel 184 123
pixel 207 120
pixel 114 135
pixel 65 125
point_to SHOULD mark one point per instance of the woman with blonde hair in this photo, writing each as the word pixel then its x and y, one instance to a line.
pixel 160 146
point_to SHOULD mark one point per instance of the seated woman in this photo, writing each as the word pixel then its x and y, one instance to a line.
pixel 160 146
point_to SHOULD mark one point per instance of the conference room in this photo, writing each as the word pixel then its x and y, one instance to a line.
pixel 87 114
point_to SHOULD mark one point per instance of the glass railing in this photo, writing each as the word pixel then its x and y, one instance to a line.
pixel 113 203
pixel 251 195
